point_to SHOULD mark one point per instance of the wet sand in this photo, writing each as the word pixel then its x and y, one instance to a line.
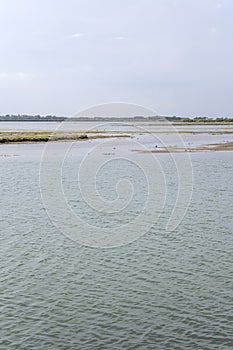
pixel 227 146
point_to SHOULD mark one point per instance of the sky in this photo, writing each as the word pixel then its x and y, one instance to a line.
pixel 174 57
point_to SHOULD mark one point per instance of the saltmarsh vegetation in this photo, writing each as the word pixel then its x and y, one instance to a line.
pixel 40 136
pixel 29 136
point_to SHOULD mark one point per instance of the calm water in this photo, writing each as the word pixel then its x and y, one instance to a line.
pixel 8 126
pixel 160 292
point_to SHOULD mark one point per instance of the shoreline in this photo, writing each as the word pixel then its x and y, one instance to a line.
pixel 35 136
pixel 44 136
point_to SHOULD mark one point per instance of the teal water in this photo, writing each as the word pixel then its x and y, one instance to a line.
pixel 163 291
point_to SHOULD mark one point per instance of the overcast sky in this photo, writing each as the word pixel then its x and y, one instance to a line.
pixel 60 56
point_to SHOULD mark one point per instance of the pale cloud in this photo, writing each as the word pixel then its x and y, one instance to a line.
pixel 77 35
pixel 119 38
pixel 219 5
pixel 213 30
pixel 14 76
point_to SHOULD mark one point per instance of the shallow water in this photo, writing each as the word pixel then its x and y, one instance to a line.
pixel 163 291
pixel 159 135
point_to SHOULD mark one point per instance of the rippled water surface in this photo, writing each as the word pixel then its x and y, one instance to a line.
pixel 160 292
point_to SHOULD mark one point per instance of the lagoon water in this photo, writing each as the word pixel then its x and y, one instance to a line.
pixel 162 291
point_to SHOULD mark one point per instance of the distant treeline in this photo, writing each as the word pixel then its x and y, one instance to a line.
pixel 203 120
pixel 54 118
pixel 30 118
